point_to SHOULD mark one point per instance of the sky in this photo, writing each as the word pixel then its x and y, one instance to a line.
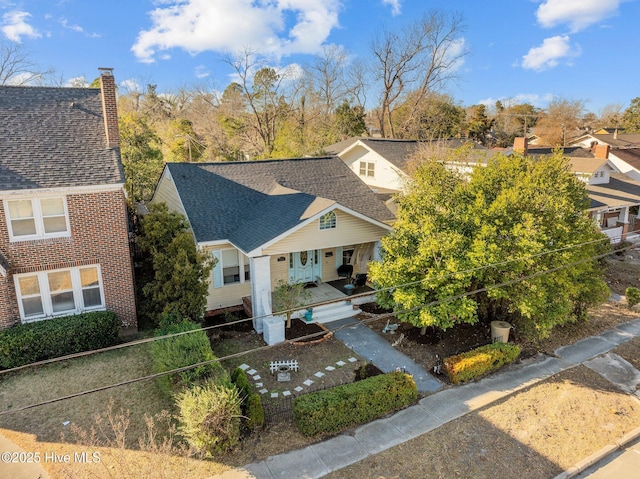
pixel 518 50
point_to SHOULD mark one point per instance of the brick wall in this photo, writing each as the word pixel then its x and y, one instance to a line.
pixel 99 235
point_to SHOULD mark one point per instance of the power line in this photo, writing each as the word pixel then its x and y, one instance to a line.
pixel 310 305
pixel 312 335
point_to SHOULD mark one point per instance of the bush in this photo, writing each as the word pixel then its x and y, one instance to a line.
pixel 209 417
pixel 184 350
pixel 52 338
pixel 241 381
pixel 633 296
pixel 479 361
pixel 254 411
pixel 348 405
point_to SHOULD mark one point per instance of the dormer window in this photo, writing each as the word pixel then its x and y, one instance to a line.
pixel 328 221
pixel 367 169
pixel 37 218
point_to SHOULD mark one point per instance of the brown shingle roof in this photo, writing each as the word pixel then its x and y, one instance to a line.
pixel 54 137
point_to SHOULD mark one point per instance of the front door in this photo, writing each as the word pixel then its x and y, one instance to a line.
pixel 303 266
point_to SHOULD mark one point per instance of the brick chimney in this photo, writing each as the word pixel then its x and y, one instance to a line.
pixel 109 107
pixel 602 152
pixel 521 145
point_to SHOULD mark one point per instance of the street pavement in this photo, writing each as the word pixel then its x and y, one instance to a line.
pixel 431 412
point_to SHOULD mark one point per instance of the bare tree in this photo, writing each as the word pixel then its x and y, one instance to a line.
pixel 610 115
pixel 264 90
pixel 17 67
pixel 562 117
pixel 422 59
pixel 327 76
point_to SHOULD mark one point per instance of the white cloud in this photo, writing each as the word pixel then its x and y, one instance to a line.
pixel 578 14
pixel 78 82
pixel 130 85
pixel 456 52
pixel 549 54
pixel 395 6
pixel 202 72
pixel 15 26
pixel 223 26
pixel 76 28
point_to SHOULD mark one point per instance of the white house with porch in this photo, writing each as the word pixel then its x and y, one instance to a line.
pixel 294 220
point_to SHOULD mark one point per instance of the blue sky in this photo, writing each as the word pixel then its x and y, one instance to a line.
pixel 524 50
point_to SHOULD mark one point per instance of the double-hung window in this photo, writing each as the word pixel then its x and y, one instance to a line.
pixel 37 218
pixel 367 169
pixel 231 267
pixel 59 292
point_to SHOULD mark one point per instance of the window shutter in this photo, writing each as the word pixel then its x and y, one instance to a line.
pixel 217 268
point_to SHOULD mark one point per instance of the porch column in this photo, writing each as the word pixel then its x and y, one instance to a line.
pixel 377 246
pixel 260 289
pixel 623 220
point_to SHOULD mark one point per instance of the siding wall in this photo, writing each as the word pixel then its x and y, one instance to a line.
pixel 166 193
pixel 227 295
pixel 349 230
pixel 385 174
pixel 99 235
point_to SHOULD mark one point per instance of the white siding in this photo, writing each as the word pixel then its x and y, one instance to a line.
pixel 349 230
pixel 386 175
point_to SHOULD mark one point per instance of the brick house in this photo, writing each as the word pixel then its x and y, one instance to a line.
pixel 64 241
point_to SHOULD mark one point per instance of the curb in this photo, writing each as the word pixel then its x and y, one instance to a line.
pixel 600 455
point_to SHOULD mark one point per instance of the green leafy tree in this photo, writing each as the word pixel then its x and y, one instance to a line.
pixel 510 214
pixel 525 207
pixel 181 272
pixel 427 245
pixel 349 121
pixel 631 117
pixel 479 124
pixel 141 156
pixel 436 116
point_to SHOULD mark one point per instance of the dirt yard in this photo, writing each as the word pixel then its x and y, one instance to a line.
pixel 534 434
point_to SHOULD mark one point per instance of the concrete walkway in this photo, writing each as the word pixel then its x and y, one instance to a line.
pixel 368 344
pixel 446 405
pixel 15 466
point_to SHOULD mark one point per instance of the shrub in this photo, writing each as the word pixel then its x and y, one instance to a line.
pixel 254 411
pixel 184 350
pixel 209 417
pixel 633 296
pixel 348 405
pixel 479 361
pixel 52 338
pixel 241 381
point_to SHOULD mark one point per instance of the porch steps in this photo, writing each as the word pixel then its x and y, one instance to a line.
pixel 333 312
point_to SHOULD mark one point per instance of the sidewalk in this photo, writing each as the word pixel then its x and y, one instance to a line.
pixel 433 411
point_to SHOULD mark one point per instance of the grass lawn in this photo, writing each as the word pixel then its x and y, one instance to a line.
pixel 42 429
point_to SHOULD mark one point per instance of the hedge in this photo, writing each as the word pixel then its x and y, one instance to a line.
pixel 183 350
pixel 633 296
pixel 348 405
pixel 51 338
pixel 477 362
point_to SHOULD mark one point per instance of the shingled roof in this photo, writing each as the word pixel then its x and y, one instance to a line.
pixel 53 138
pixel 251 203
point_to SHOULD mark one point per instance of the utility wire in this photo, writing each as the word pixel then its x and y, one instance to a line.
pixel 311 305
pixel 312 335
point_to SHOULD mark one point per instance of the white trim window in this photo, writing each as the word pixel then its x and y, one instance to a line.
pixel 328 221
pixel 227 270
pixel 59 292
pixel 36 218
pixel 367 169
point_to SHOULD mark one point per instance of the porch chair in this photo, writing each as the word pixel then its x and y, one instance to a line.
pixel 345 271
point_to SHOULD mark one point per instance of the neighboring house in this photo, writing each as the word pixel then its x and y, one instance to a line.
pixel 614 196
pixel 267 221
pixel 627 160
pixel 64 244
pixel 385 164
pixel 613 140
